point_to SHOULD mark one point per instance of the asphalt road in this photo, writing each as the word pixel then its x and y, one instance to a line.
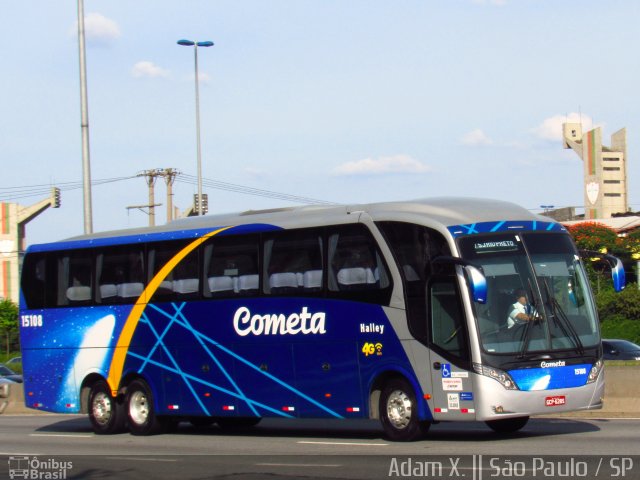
pixel 62 446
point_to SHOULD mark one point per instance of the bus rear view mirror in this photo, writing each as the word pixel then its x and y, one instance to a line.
pixel 617 269
pixel 476 279
pixel 478 283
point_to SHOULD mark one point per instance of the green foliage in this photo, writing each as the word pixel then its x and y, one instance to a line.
pixel 8 323
pixel 618 327
pixel 619 312
pixel 595 236
pixel 625 304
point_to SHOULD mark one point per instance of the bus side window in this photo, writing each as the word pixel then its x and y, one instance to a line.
pixel 34 284
pixel 182 281
pixel 356 268
pixel 75 279
pixel 120 274
pixel 293 263
pixel 231 266
pixel 448 334
pixel 413 247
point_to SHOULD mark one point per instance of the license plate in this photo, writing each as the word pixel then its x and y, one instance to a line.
pixel 555 401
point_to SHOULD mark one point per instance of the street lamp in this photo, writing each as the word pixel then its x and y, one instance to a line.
pixel 84 124
pixel 195 45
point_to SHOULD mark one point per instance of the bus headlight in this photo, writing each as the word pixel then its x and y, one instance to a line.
pixel 595 371
pixel 499 375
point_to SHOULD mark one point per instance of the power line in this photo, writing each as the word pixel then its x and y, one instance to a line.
pixel 232 187
pixel 27 191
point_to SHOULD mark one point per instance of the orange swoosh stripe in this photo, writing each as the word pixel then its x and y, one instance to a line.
pixel 122 347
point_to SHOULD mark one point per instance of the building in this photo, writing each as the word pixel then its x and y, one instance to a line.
pixel 605 171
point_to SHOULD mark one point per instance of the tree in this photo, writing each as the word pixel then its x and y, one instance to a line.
pixel 595 236
pixel 8 321
pixel 619 312
pixel 632 242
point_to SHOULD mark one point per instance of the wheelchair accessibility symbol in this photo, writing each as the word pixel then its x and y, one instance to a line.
pixel 446 370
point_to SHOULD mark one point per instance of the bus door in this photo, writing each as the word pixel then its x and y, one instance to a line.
pixel 451 383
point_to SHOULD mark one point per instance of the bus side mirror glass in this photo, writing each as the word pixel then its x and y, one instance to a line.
pixel 478 283
pixel 617 273
pixel 475 277
pixel 617 269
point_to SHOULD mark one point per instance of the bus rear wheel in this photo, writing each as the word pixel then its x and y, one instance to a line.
pixel 141 414
pixel 399 412
pixel 105 412
pixel 507 425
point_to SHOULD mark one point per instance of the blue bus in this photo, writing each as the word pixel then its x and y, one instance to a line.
pixel 402 312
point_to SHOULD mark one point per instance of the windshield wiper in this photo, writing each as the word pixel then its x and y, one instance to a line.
pixel 561 320
pixel 527 327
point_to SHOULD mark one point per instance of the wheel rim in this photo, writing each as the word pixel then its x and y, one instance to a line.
pixel 101 408
pixel 138 408
pixel 399 408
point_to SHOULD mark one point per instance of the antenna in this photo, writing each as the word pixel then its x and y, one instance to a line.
pixel 580 114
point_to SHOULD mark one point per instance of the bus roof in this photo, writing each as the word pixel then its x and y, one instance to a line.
pixel 439 213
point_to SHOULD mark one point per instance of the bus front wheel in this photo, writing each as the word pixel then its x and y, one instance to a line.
pixel 140 410
pixel 399 412
pixel 105 412
pixel 507 425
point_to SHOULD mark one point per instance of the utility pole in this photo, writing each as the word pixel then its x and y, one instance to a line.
pixel 169 177
pixel 151 176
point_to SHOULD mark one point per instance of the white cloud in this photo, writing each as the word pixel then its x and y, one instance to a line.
pixel 475 138
pixel 551 128
pixel 382 165
pixel 146 68
pixel 98 29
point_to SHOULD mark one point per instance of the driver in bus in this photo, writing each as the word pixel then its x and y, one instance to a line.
pixel 521 310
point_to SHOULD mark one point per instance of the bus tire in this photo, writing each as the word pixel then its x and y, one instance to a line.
pixel 507 425
pixel 106 413
pixel 399 412
pixel 141 415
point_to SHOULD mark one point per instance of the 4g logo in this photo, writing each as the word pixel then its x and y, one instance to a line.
pixel 372 348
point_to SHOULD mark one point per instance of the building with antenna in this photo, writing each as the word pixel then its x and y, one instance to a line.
pixel 605 170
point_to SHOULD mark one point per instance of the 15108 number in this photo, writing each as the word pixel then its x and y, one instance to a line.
pixel 31 320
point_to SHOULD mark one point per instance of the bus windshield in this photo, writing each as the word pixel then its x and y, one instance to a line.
pixel 537 298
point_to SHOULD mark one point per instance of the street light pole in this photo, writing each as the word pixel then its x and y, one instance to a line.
pixel 189 43
pixel 84 125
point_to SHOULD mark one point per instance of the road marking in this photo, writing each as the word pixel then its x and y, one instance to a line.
pixel 22 454
pixel 309 465
pixel 346 443
pixel 143 459
pixel 66 435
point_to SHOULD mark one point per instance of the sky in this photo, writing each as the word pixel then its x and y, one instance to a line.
pixel 340 101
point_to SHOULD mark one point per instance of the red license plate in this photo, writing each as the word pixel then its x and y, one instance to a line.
pixel 555 401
